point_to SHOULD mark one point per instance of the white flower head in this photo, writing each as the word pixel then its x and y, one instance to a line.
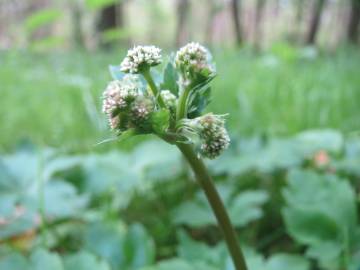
pixel 141 110
pixel 118 97
pixel 119 94
pixel 169 98
pixel 193 59
pixel 212 133
pixel 213 146
pixel 139 58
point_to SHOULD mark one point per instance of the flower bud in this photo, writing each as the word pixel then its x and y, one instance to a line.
pixel 140 112
pixel 169 99
pixel 214 145
pixel 194 62
pixel 118 96
pixel 213 135
pixel 140 58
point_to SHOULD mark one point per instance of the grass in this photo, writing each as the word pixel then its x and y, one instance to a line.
pixel 54 99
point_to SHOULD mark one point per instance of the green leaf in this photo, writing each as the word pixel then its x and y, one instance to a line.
pixel 195 251
pixel 139 247
pixel 116 73
pixel 84 261
pixel 286 262
pixel 315 140
pixel 42 259
pixel 199 98
pixel 170 79
pixel 123 249
pixel 160 121
pixel 178 264
pixel 41 18
pixel 99 4
pixel 114 34
pixel 62 201
pixel 193 214
pixel 321 211
pixel 244 208
pixel 105 239
pixel 247 207
pixel 47 43
pixel 14 261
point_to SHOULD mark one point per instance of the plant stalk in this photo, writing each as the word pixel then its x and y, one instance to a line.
pixel 203 178
pixel 205 181
pixel 181 111
pixel 155 91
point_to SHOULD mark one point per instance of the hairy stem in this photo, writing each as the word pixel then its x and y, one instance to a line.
pixel 153 87
pixel 205 181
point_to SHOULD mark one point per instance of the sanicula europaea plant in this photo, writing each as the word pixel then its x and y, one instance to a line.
pixel 171 107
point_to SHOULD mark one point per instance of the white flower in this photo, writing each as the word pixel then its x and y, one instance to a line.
pixel 192 59
pixel 213 135
pixel 141 110
pixel 140 57
pixel 119 94
pixel 214 145
pixel 169 98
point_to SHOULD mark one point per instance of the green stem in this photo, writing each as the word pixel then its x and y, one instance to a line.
pixel 181 111
pixel 216 203
pixel 153 87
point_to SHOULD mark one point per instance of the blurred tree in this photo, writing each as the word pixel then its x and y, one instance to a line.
pixel 214 6
pixel 110 21
pixel 315 21
pixel 354 20
pixel 76 18
pixel 235 8
pixel 182 10
pixel 299 18
pixel 259 12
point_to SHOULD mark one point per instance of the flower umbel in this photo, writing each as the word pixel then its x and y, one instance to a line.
pixel 194 60
pixel 212 133
pixel 140 58
pixel 140 112
pixel 118 96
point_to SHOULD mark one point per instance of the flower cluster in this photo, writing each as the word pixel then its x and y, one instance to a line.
pixel 125 104
pixel 213 135
pixel 140 113
pixel 155 109
pixel 193 60
pixel 140 58
pixel 119 94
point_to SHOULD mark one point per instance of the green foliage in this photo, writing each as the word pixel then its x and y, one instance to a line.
pixel 170 78
pixel 41 18
pixel 99 4
pixel 282 99
pixel 321 214
pixel 92 202
pixel 114 34
pixel 160 121
pixel 243 208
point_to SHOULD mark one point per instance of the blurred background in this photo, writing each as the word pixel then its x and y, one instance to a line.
pixel 288 75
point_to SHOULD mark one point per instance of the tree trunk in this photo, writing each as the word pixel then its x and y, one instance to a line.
pixel 315 22
pixel 182 12
pixel 111 17
pixel 260 4
pixel 353 27
pixel 212 10
pixel 236 19
pixel 76 18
